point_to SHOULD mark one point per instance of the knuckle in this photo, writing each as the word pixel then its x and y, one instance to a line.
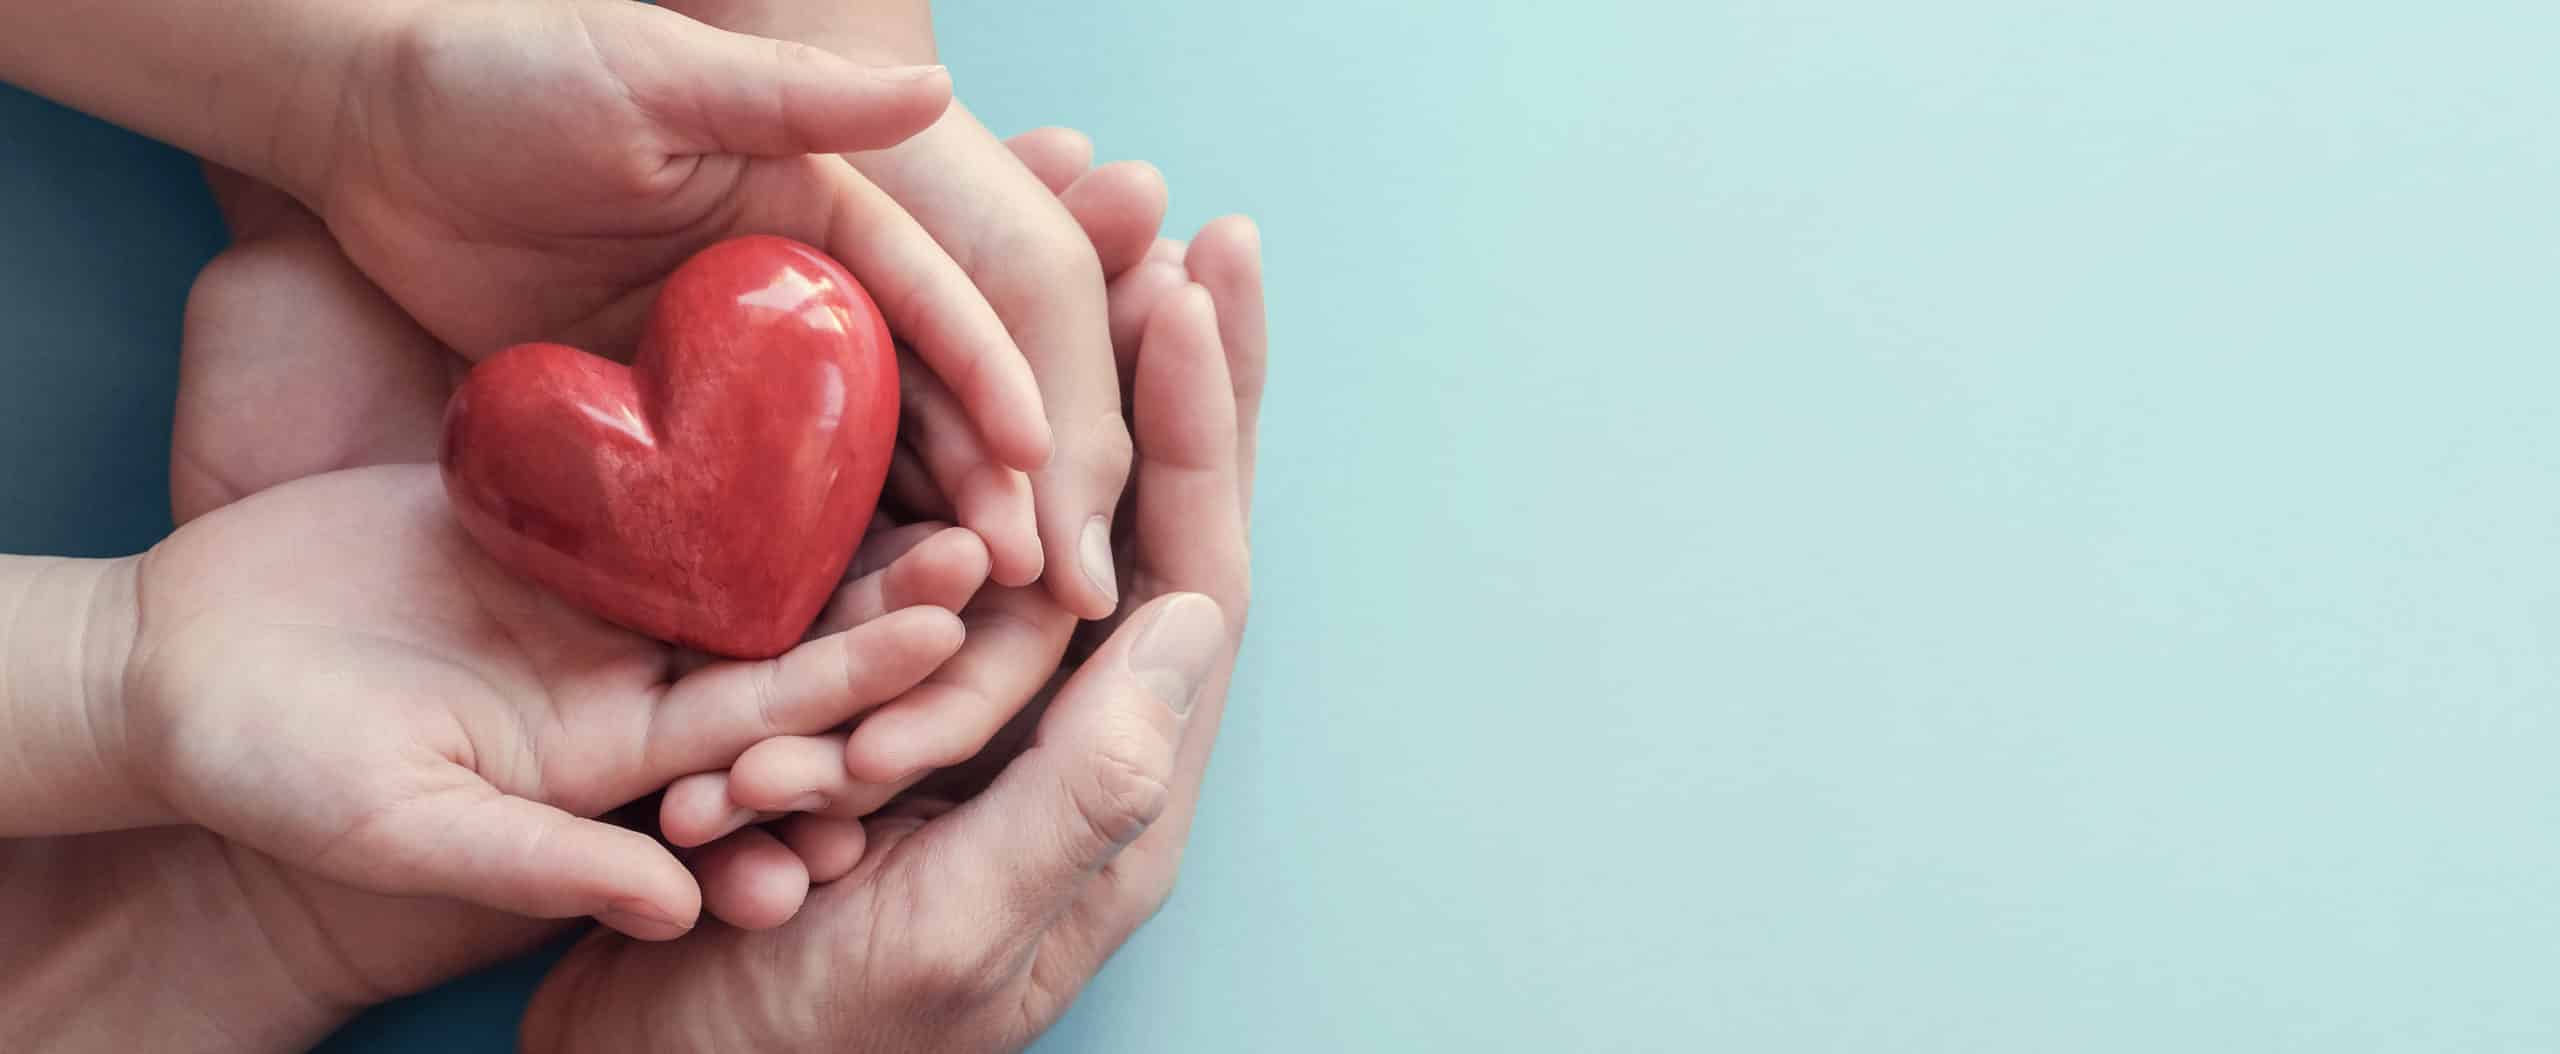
pixel 765 693
pixel 1122 797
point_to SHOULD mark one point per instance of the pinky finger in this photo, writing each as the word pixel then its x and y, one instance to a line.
pixel 751 880
pixel 828 846
pixel 987 497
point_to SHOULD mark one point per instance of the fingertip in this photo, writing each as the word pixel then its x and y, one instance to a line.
pixel 1235 231
pixel 886 752
pixel 830 847
pixel 659 901
pixel 1021 569
pixel 697 809
pixel 939 631
pixel 1055 154
pixel 1081 597
pixel 904 100
pixel 1120 207
pixel 752 880
pixel 1188 308
pixel 870 757
pixel 1024 442
pixel 1135 296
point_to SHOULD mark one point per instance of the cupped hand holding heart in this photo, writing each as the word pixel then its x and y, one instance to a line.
pixel 710 493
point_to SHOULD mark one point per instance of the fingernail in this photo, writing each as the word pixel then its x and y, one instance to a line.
pixel 1094 551
pixel 640 920
pixel 911 73
pixel 811 802
pixel 1173 657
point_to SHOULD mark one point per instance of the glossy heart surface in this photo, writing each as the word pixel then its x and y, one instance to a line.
pixel 710 493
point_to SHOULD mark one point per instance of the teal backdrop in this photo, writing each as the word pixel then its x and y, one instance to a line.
pixel 1786 526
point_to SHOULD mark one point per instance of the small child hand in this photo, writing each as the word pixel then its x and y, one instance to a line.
pixel 331 673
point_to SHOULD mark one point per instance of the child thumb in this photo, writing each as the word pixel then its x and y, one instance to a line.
pixel 712 91
pixel 524 857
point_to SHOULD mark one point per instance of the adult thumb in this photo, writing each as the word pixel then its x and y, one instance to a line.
pixel 712 91
pixel 518 855
pixel 1099 771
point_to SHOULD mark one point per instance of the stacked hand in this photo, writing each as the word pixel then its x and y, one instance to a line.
pixel 397 756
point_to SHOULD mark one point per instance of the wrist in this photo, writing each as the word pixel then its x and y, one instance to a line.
pixel 67 632
pixel 296 144
pixel 256 85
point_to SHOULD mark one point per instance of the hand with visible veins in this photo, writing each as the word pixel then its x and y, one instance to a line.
pixel 970 927
pixel 265 395
pixel 816 786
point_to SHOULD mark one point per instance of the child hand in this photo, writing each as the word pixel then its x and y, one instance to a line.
pixel 1015 635
pixel 331 673
pixel 511 172
pixel 1021 245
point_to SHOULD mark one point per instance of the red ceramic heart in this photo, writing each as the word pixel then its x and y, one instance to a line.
pixel 711 493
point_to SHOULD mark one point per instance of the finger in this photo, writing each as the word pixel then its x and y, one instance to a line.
pixel 1227 260
pixel 887 541
pixel 829 847
pixel 712 715
pixel 1015 637
pixel 1098 772
pixel 1056 155
pixel 472 843
pixel 988 497
pixel 751 880
pixel 1040 275
pixel 932 303
pixel 1184 415
pixel 943 570
pixel 804 774
pixel 696 810
pixel 717 92
pixel 1190 525
pixel 1120 206
pixel 1136 295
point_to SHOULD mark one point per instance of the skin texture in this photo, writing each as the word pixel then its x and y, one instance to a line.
pixel 1019 243
pixel 268 328
pixel 515 172
pixel 963 981
pixel 105 927
pixel 972 926
pixel 474 717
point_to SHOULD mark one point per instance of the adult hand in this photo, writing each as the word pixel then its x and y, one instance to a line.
pixel 972 927
pixel 1016 635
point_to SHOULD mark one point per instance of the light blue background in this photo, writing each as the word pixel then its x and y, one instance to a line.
pixel 1785 526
